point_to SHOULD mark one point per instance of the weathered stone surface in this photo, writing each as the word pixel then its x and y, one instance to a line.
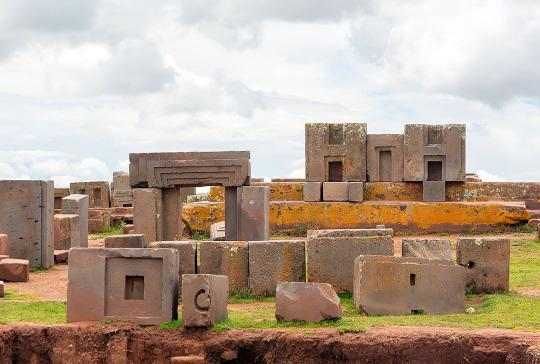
pixel 335 191
pixel 67 231
pixel 128 229
pixel 229 258
pixel 487 263
pixel 14 270
pixel 423 143
pixel 335 152
pixel 356 191
pixel 253 209
pixel 59 194
pixel 187 253
pixel 4 257
pixel 78 205
pixel 26 216
pixel 399 285
pixel 121 215
pixel 330 259
pixel 4 244
pixel 188 359
pixel 136 285
pixel 312 191
pixel 98 220
pixel 275 261
pixel 349 233
pixel 311 302
pixel 195 169
pixel 427 248
pixel 61 256
pixel 2 290
pixel 217 231
pixel 204 299
pixel 125 241
pixel 434 191
pixel 147 213
pixel 385 157
pixel 98 193
pixel 122 195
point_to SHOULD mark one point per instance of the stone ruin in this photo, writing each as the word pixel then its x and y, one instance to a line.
pixel 121 193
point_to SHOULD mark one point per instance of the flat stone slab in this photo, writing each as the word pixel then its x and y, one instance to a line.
pixel 311 302
pixel 205 299
pixel 14 270
pixel 427 248
pixel 487 262
pixel 61 256
pixel 385 285
pixel 125 241
pixel 275 261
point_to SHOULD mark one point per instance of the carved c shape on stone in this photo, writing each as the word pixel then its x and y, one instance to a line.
pixel 203 299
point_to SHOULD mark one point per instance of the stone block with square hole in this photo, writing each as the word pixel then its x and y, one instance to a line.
pixel 487 262
pixel 135 285
pixel 205 298
pixel 275 261
pixel 330 253
pixel 385 285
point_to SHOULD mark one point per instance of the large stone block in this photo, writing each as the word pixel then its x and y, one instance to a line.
pixel 204 299
pixel 78 205
pixel 312 191
pixel 14 270
pixel 253 209
pixel 26 216
pixel 398 285
pixel 487 262
pixel 122 195
pixel 335 191
pixel 427 248
pixel 125 241
pixel 330 259
pixel 98 220
pixel 434 191
pixel 310 302
pixel 356 191
pixel 335 152
pixel 136 285
pixel 67 233
pixel 4 244
pixel 275 261
pixel 385 157
pixel 147 212
pixel 229 258
pixel 59 194
pixel 187 253
pixel 98 192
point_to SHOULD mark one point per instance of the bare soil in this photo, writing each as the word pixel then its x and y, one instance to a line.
pixel 116 343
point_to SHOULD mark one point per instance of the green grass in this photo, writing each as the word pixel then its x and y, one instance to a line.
pixel 117 229
pixel 200 235
pixel 510 311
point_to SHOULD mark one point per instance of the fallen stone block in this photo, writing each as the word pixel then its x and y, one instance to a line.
pixel 61 256
pixel 487 263
pixel 4 244
pixel 312 191
pixel 335 191
pixel 272 262
pixel 229 258
pixel 217 231
pixel 311 302
pixel 125 241
pixel 385 285
pixel 14 270
pixel 330 259
pixel 204 299
pixel 2 291
pixel 427 248
pixel 135 285
pixel 67 232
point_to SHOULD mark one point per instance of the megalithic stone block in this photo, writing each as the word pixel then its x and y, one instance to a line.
pixel 67 231
pixel 205 299
pixel 253 213
pixel 99 194
pixel 14 270
pixel 147 213
pixel 310 302
pixel 434 191
pixel 78 205
pixel 427 248
pixel 125 241
pixel 312 191
pixel 385 285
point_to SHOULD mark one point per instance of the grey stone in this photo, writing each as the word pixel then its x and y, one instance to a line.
pixel 275 261
pixel 99 195
pixel 398 285
pixel 349 233
pixel 187 253
pixel 253 213
pixel 310 302
pixel 356 191
pixel 78 205
pixel 136 285
pixel 125 241
pixel 217 231
pixel 427 248
pixel 147 213
pixel 122 195
pixel 204 299
pixel 487 263
pixel 434 191
pixel 385 157
pixel 312 191
pixel 335 191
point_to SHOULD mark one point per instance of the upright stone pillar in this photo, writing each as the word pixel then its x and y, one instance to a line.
pixel 252 210
pixel 231 213
pixel 147 213
pixel 78 205
pixel 172 213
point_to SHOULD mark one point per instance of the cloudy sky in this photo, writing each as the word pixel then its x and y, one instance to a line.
pixel 84 83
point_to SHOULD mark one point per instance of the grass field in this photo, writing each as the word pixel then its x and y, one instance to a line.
pixel 519 309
